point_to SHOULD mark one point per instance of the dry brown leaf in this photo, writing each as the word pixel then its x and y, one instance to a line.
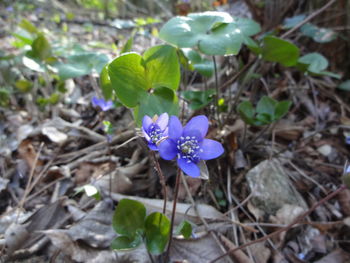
pixel 15 236
pixel 336 256
pixel 96 228
pixel 193 185
pixel 77 252
pixel 286 214
pixel 344 201
pixel 260 252
pixel 54 134
pixel 288 131
pixel 238 255
pixel 28 153
pixel 202 249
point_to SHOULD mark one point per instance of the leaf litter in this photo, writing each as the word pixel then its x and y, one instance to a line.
pixel 46 155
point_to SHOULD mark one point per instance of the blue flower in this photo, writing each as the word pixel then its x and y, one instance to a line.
pixel 155 130
pixel 188 144
pixel 9 9
pixel 347 139
pixel 104 105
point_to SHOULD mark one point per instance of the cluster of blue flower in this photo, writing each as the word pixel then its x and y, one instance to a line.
pixel 187 144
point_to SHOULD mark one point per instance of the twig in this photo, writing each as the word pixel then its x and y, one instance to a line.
pixel 261 133
pixel 314 14
pixel 207 228
pixel 254 64
pixel 177 184
pixel 217 93
pixel 161 179
pixel 28 187
pixel 306 176
pixel 294 222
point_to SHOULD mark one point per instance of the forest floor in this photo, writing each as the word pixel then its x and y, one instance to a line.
pixel 277 190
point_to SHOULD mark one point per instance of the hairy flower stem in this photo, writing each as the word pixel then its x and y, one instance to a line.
pixel 217 93
pixel 173 213
pixel 161 179
pixel 294 222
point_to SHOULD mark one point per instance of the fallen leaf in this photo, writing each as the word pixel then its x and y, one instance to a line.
pixel 335 256
pixel 54 134
pixel 77 252
pixel 202 249
pixel 344 201
pixel 238 255
pixel 286 214
pixel 96 228
pixel 27 152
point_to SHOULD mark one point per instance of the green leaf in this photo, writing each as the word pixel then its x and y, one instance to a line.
pixel 128 45
pixel 318 34
pixel 291 22
pixel 23 85
pixel 24 38
pixel 41 48
pixel 246 111
pixel 161 100
pixel 162 67
pixel 126 243
pixel 266 105
pixel 199 99
pixel 282 109
pixel 128 78
pixel 345 85
pixel 157 227
pixel 132 75
pixel 278 50
pixel 215 33
pixel 129 217
pixel 185 229
pixel 204 66
pixel 28 26
pixel 92 191
pixel 105 83
pixel 4 97
pixel 81 64
pixel 52 100
pixel 315 62
pixel 330 74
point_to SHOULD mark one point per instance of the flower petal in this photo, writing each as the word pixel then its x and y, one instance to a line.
pixel 152 146
pixel 199 123
pixel 167 149
pixel 210 149
pixel 106 105
pixel 163 120
pixel 95 101
pixel 175 128
pixel 146 122
pixel 188 168
pixel 145 135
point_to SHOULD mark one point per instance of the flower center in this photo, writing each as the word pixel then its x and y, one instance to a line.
pixel 155 133
pixel 188 148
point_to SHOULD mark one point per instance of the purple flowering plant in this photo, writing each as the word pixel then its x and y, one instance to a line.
pixel 104 105
pixel 155 130
pixel 188 144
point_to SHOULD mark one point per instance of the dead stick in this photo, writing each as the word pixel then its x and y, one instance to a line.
pixel 294 222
